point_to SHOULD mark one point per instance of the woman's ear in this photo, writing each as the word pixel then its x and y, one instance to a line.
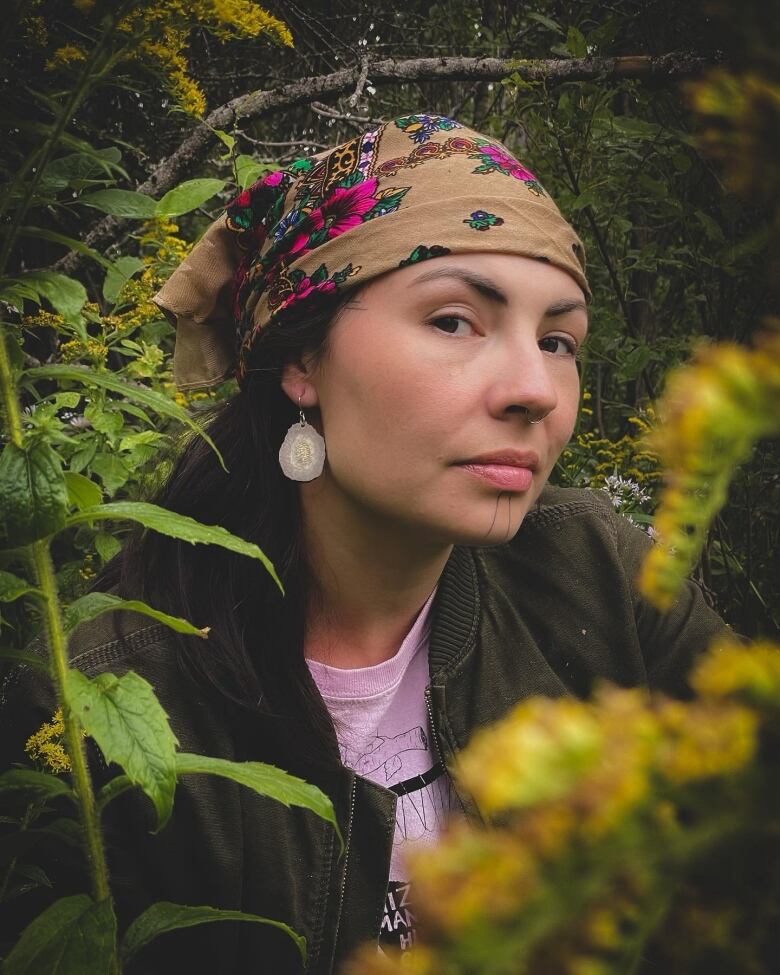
pixel 297 382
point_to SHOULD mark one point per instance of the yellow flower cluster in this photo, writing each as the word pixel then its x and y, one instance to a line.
pixel 165 25
pixel 732 670
pixel 35 28
pixel 583 799
pixel 712 412
pixel 595 458
pixel 93 349
pixel 46 746
pixel 87 570
pixel 44 319
pixel 166 53
pixel 64 56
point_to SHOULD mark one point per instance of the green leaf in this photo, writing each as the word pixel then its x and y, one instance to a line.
pixel 576 44
pixel 164 916
pixel 70 242
pixel 131 728
pixel 35 500
pixel 38 783
pixel 132 391
pixel 112 471
pixel 121 203
pixel 545 21
pixel 266 780
pixel 106 546
pixel 82 492
pixel 94 603
pixel 118 274
pixel 176 526
pixel 12 587
pixel 64 294
pixel 226 139
pixel 73 936
pixel 188 196
pixel 249 170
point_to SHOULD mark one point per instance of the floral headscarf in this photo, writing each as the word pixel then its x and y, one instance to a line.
pixel 414 188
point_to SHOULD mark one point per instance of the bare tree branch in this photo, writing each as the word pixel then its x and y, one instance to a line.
pixel 170 171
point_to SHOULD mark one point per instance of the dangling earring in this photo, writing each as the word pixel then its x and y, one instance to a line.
pixel 302 454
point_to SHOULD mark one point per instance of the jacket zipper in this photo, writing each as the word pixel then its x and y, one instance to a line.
pixel 347 844
pixel 434 731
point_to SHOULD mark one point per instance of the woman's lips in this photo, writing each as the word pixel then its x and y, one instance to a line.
pixel 502 475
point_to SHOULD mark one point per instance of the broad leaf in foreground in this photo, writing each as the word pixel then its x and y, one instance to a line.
pixel 164 916
pixel 95 603
pixel 266 780
pixel 32 487
pixel 74 936
pixel 176 526
pixel 129 724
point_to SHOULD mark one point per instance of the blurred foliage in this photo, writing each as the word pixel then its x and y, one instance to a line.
pixel 623 834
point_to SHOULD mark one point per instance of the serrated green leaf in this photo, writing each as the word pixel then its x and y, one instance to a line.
pixel 64 294
pixel 266 780
pixel 70 242
pixel 95 603
pixel 35 500
pixel 122 203
pixel 188 196
pixel 83 456
pixel 131 728
pixel 176 526
pixel 73 936
pixel 133 391
pixel 38 783
pixel 82 492
pixel 12 587
pixel 118 274
pixel 164 916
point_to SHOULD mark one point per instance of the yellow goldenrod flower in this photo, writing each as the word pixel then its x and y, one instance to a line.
pixel 65 55
pixel 534 754
pixel 730 669
pixel 46 746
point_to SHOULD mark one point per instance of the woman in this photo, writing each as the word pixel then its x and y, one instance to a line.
pixel 406 315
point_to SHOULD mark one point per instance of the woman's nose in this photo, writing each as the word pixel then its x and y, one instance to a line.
pixel 524 383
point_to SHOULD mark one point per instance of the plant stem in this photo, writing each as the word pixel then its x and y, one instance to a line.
pixel 58 655
pixel 82 783
pixel 10 403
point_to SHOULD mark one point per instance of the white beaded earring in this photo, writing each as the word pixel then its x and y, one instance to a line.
pixel 302 454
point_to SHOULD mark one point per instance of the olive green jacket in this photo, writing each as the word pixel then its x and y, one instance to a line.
pixel 547 613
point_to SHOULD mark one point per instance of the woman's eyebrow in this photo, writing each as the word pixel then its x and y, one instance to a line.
pixel 487 288
pixel 565 305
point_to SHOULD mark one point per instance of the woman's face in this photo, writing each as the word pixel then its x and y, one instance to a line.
pixel 437 365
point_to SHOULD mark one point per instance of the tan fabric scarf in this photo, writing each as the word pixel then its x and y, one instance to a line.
pixel 415 188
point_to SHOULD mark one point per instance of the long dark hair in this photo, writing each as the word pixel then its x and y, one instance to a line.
pixel 254 654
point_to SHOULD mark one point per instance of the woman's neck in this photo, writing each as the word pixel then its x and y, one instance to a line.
pixel 371 577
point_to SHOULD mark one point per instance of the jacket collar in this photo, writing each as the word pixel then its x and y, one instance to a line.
pixel 455 613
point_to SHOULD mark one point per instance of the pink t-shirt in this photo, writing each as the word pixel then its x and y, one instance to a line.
pixel 384 734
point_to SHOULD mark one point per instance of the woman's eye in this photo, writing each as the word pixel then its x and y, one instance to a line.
pixel 451 323
pixel 558 345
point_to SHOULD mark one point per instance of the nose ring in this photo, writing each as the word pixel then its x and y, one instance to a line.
pixel 538 419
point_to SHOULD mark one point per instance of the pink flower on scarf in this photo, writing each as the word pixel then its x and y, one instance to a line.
pixel 504 161
pixel 344 208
